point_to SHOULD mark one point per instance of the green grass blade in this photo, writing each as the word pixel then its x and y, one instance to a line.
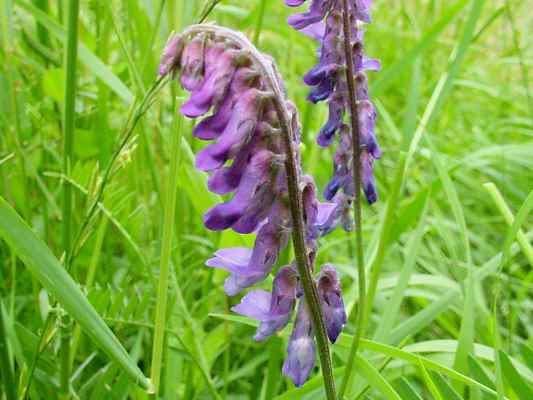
pixel 404 389
pixel 514 379
pixel 6 372
pixel 391 310
pixel 430 384
pixel 46 268
pixel 390 74
pixel 375 379
pixel 447 391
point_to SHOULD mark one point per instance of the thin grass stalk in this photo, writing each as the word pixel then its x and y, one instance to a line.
pixel 356 168
pixel 295 202
pixel 68 139
pixel 259 24
pixel 137 113
pixel 166 251
pixel 6 372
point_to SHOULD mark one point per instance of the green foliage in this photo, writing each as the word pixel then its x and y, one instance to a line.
pixel 451 237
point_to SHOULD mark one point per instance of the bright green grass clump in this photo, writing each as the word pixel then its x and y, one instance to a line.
pixel 448 247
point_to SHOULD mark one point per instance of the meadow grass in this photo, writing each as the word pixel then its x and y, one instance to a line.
pixel 448 253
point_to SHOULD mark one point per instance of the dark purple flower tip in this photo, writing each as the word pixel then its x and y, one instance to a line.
pixel 319 73
pixel 171 55
pixel 367 175
pixel 330 293
pixel 301 350
pixel 322 91
pixel 327 134
pixel 332 187
pixel 367 120
pixel 192 61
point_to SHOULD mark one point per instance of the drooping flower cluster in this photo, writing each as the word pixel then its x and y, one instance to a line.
pixel 323 21
pixel 247 157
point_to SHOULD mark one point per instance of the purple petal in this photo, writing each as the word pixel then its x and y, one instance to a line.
pixel 367 177
pixel 294 3
pixel 237 132
pixel 331 299
pixel 219 72
pixel 224 215
pixel 301 350
pixel 192 61
pixel 171 55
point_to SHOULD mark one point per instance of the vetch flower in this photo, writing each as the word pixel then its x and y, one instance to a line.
pixel 247 160
pixel 331 297
pixel 301 350
pixel 328 81
pixel 273 310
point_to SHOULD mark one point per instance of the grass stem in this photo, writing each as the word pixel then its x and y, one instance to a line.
pixel 68 139
pixel 166 250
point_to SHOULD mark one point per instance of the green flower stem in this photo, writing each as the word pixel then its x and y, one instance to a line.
pixel 356 168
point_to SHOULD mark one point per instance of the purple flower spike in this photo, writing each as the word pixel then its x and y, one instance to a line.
pixel 274 309
pixel 247 162
pixel 332 304
pixel 323 21
pixel 301 350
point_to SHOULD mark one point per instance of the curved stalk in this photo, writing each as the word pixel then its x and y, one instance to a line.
pixel 295 199
pixel 356 166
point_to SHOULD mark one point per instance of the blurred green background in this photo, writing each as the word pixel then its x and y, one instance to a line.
pixel 453 99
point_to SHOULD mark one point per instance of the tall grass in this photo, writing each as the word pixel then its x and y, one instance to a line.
pixel 448 248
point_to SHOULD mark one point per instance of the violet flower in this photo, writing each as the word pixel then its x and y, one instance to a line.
pixel 301 350
pixel 323 21
pixel 246 158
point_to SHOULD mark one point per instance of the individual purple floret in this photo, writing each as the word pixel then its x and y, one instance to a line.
pixel 301 350
pixel 246 160
pixel 331 297
pixel 273 310
pixel 323 22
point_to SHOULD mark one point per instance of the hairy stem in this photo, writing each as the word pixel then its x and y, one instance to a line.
pixel 356 167
pixel 295 199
